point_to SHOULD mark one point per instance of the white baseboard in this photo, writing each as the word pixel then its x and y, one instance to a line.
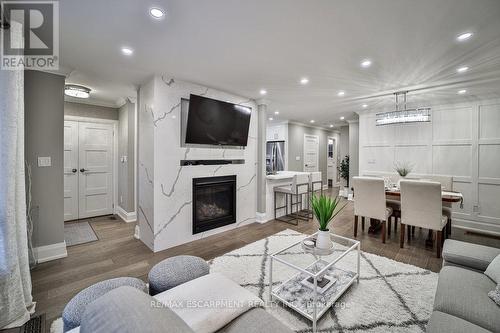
pixel 476 226
pixel 50 252
pixel 126 216
pixel 260 217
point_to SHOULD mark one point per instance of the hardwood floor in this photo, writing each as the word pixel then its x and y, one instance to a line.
pixel 117 253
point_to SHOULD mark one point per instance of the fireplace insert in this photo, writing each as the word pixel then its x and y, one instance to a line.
pixel 214 202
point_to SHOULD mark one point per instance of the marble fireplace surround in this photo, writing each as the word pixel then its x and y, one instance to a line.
pixel 165 187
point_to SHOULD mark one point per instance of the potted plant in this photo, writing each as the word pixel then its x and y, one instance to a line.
pixel 344 174
pixel 324 209
pixel 403 169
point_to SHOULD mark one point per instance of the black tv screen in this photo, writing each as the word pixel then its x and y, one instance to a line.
pixel 213 122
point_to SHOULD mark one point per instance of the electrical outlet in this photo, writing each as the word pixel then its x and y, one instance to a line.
pixel 297 158
pixel 44 161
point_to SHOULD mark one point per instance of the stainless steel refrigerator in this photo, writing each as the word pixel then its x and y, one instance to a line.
pixel 275 156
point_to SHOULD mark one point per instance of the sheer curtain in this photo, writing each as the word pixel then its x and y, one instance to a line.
pixel 16 301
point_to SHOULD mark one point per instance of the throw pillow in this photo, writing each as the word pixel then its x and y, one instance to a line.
pixel 493 270
pixel 495 295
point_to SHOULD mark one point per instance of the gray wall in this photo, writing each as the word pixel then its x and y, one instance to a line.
pixel 126 134
pixel 90 111
pixel 44 124
pixel 343 146
pixel 296 147
pixel 353 150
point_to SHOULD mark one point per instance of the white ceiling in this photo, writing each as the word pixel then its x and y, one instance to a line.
pixel 243 46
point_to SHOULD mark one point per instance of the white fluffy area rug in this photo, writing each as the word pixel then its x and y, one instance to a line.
pixel 390 297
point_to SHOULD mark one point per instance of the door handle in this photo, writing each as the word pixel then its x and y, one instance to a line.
pixel 83 170
pixel 74 170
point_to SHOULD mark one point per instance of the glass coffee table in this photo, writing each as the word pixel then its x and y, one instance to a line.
pixel 315 278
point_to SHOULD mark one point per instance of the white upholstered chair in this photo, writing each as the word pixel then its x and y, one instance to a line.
pixel 369 201
pixel 421 206
pixel 298 189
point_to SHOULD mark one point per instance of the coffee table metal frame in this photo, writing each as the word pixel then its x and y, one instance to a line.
pixel 355 245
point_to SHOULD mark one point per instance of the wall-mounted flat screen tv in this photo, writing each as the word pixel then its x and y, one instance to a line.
pixel 213 122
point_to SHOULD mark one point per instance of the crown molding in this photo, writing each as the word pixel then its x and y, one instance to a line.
pixel 91 101
pixel 312 126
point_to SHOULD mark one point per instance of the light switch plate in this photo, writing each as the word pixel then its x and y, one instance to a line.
pixel 44 161
pixel 297 158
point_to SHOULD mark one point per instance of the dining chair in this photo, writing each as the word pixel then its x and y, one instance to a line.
pixel 296 190
pixel 421 206
pixel 369 202
pixel 446 185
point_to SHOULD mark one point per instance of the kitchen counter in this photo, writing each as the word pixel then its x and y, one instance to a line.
pixel 284 175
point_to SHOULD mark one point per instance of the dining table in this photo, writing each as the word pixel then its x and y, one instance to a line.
pixel 447 196
pixel 394 193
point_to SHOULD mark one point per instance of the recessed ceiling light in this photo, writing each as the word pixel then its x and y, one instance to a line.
pixel 276 112
pixel 341 93
pixel 331 125
pixel 464 36
pixel 462 69
pixel 270 118
pixel 304 80
pixel 127 51
pixel 75 90
pixel 366 63
pixel 342 118
pixel 461 92
pixel 311 121
pixel 364 106
pixel 157 13
pixel 263 91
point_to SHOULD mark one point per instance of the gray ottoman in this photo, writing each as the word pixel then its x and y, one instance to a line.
pixel 174 271
pixel 73 312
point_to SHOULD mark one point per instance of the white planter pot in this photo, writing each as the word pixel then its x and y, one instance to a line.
pixel 323 240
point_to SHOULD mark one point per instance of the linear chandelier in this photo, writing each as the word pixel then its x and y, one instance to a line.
pixel 403 115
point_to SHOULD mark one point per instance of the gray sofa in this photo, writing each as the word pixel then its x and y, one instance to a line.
pixel 462 304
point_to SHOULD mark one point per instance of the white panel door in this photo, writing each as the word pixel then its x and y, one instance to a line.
pixel 311 153
pixel 70 170
pixel 95 169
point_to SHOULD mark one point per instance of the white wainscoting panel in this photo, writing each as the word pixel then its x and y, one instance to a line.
pixel 462 140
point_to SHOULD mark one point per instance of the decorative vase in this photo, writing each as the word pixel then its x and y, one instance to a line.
pixel 323 240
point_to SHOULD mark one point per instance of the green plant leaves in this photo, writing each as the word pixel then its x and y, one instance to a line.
pixel 324 209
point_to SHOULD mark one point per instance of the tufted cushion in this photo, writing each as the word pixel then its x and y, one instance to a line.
pixel 174 271
pixel 73 312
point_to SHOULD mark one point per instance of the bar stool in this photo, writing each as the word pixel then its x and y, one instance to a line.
pixel 315 182
pixel 297 189
pixel 315 185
